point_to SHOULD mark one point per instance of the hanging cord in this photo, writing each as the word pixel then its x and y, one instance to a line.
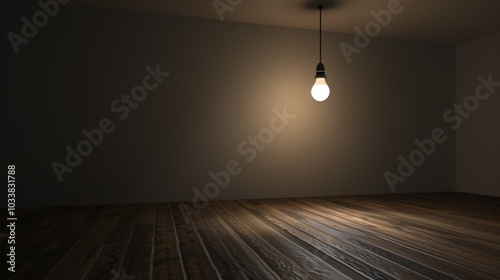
pixel 320 9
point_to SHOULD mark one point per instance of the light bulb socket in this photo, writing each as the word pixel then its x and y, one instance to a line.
pixel 320 71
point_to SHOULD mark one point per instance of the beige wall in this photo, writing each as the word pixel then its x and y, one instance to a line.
pixel 478 139
pixel 225 80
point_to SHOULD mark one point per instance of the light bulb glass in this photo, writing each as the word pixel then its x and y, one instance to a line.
pixel 320 90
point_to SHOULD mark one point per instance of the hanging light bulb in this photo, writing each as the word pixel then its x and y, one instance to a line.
pixel 320 90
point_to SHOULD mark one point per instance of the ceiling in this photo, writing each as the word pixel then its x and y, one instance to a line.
pixel 448 21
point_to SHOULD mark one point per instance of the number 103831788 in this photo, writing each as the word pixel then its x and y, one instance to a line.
pixel 11 189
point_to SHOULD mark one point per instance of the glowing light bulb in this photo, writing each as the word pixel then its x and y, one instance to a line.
pixel 320 90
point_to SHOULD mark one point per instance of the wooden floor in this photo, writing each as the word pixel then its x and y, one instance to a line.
pixel 424 236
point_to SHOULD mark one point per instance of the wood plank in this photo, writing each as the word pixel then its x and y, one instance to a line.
pixel 335 249
pixel 283 244
pixel 281 266
pixel 395 239
pixel 432 212
pixel 111 257
pixel 403 236
pixel 426 225
pixel 224 262
pixel 50 221
pixel 82 257
pixel 485 211
pixel 197 263
pixel 138 258
pixel 249 262
pixel 70 232
pixel 405 233
pixel 167 260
